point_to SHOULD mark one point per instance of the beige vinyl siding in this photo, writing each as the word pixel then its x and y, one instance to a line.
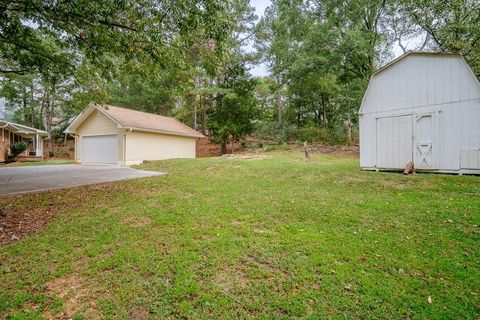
pixel 97 124
pixel 153 146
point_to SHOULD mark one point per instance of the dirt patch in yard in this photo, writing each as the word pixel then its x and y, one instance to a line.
pixel 77 295
pixel 331 150
pixel 25 214
pixel 230 279
pixel 244 156
pixel 137 313
pixel 137 222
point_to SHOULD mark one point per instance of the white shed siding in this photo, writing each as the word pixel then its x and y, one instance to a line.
pixel 154 146
pixel 419 84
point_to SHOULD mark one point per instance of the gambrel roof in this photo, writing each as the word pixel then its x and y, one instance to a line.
pixel 420 78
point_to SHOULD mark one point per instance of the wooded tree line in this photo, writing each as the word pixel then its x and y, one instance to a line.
pixel 189 59
pixel 322 53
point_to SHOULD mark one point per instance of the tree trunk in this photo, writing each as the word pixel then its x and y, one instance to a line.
pixel 305 149
pixel 278 99
pixel 194 114
pixel 49 130
pixel 32 117
pixel 42 110
pixel 223 148
pixel 204 114
pixel 32 107
pixel 25 106
pixel 349 128
pixel 50 104
pixel 318 116
pixel 233 144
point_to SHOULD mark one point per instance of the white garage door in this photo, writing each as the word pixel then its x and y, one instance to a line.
pixel 394 142
pixel 99 149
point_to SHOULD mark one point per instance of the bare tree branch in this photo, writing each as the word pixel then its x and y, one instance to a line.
pixel 425 42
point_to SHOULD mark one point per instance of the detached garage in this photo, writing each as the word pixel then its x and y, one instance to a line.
pixel 112 135
pixel 422 108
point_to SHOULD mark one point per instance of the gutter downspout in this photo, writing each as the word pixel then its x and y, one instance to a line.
pixel 125 147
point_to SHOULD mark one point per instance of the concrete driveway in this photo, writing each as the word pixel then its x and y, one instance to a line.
pixel 40 178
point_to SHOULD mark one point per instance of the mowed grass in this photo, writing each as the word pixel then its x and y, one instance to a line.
pixel 274 238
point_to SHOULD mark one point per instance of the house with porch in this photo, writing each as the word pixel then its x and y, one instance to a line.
pixel 11 132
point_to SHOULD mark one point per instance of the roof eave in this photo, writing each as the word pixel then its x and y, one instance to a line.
pixel 412 52
pixel 171 133
pixel 21 129
pixel 29 130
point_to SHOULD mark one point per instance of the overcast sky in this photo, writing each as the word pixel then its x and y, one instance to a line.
pixel 2 105
pixel 260 6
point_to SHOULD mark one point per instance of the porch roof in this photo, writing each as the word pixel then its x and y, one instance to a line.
pixel 22 130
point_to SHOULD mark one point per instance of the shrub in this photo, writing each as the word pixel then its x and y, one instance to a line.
pixel 281 133
pixel 310 134
pixel 18 147
pixel 58 134
pixel 290 133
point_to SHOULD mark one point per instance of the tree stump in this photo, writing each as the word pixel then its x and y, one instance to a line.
pixel 408 169
pixel 349 130
pixel 305 149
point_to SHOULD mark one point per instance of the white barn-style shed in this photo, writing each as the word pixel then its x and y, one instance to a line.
pixel 422 107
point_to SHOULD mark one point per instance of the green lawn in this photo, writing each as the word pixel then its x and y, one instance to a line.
pixel 273 238
pixel 44 163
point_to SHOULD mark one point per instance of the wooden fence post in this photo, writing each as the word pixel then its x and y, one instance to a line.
pixel 305 149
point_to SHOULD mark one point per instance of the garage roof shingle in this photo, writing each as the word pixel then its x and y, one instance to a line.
pixel 137 120
pixel 148 121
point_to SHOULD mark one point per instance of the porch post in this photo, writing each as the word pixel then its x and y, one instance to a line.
pixel 34 144
pixel 38 151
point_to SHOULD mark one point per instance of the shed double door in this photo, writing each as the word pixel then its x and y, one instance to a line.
pixel 394 141
pixel 405 138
